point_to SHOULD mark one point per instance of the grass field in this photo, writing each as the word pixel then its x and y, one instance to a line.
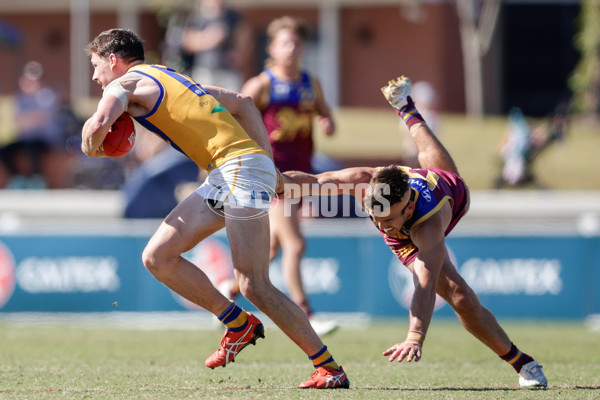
pixel 71 362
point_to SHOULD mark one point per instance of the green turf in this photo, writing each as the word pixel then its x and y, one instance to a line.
pixel 75 363
pixel 374 134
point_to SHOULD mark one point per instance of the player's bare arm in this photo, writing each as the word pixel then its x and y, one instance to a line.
pixel 429 238
pixel 346 181
pixel 97 126
pixel 143 95
pixel 255 88
pixel 137 96
pixel 245 112
pixel 324 118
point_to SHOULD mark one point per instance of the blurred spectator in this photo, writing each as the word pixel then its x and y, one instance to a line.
pixel 514 148
pixel 220 42
pixel 39 131
pixel 425 98
pixel 520 146
pixel 173 54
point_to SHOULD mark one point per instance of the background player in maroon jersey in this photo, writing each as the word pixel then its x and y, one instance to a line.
pixel 414 209
pixel 289 98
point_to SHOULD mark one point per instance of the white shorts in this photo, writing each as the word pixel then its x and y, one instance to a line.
pixel 246 181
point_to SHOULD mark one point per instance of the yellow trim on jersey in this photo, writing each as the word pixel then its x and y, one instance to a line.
pixel 405 250
pixel 432 180
pixel 432 211
pixel 193 121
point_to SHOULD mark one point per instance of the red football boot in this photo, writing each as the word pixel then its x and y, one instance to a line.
pixel 327 378
pixel 234 342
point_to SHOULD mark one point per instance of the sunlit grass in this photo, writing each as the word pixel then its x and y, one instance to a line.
pixel 73 363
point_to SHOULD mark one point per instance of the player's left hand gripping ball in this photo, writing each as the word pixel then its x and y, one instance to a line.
pixel 120 138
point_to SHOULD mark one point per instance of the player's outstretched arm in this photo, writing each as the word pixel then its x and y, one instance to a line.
pixel 429 238
pixel 344 181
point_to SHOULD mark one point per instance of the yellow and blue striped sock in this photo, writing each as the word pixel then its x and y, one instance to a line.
pixel 323 359
pixel 234 318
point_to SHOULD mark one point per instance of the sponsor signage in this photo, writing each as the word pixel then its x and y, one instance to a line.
pixel 532 277
pixel 7 274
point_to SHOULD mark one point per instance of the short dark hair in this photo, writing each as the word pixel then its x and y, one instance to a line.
pixel 124 43
pixel 389 183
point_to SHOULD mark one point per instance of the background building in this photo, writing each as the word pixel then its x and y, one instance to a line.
pixel 357 45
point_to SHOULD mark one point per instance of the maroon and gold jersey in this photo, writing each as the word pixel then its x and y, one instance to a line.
pixel 287 109
pixel 432 189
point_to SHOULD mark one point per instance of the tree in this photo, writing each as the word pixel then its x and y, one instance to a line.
pixel 477 20
pixel 585 80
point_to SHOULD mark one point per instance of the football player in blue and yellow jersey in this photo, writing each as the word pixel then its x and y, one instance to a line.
pixel 223 133
pixel 414 210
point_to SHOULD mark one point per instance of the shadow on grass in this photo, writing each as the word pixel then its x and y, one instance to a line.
pixel 478 389
pixel 267 389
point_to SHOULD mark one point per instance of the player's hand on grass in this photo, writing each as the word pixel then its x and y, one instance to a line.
pixel 405 350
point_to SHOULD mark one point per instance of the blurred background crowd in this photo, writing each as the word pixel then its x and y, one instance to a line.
pixel 535 62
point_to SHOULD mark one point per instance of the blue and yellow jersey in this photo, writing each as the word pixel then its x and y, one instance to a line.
pixel 192 121
pixel 432 189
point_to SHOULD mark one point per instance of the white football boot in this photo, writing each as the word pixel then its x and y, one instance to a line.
pixel 532 376
pixel 397 91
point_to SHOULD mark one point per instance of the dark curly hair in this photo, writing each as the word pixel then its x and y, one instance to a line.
pixel 124 43
pixel 388 184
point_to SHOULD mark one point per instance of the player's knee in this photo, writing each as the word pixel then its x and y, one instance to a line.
pixel 249 289
pixel 149 259
pixel 255 290
pixel 155 261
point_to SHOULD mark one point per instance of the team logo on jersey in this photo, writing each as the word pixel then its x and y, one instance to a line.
pixel 218 108
pixel 421 187
pixel 281 89
pixel 7 274
pixel 426 195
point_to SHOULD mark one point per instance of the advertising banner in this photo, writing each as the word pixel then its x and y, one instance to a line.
pixel 532 277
